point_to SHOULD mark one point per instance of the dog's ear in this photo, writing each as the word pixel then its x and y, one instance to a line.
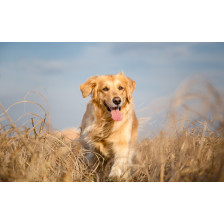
pixel 87 87
pixel 130 86
pixel 130 89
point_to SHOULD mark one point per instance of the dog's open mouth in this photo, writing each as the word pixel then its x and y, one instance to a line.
pixel 115 112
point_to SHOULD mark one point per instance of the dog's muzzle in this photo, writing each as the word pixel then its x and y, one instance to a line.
pixel 116 115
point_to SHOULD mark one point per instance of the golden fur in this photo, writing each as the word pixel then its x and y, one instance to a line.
pixel 99 132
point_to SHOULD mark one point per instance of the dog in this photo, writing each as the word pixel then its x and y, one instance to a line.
pixel 110 125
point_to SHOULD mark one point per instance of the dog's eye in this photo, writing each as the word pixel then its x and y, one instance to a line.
pixel 105 89
pixel 120 88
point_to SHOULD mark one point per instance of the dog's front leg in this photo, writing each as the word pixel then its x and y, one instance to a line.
pixel 122 161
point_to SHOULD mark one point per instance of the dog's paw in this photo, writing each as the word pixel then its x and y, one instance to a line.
pixel 118 176
pixel 115 174
pixel 113 179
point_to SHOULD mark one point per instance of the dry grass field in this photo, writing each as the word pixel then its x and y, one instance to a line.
pixel 190 146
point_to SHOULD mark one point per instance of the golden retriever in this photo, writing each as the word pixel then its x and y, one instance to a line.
pixel 109 125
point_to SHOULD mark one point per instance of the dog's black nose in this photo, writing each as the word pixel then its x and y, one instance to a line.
pixel 117 100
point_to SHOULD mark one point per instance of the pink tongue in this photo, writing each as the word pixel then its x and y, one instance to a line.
pixel 116 115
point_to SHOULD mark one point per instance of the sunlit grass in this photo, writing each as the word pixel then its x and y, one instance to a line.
pixel 190 147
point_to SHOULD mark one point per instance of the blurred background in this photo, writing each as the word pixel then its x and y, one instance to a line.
pixel 58 69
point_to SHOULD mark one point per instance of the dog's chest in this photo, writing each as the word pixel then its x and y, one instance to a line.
pixel 100 130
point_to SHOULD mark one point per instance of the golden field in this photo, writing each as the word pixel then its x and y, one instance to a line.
pixel 189 147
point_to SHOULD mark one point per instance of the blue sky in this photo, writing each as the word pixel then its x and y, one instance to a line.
pixel 58 69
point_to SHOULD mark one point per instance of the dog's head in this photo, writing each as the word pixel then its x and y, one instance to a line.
pixel 111 92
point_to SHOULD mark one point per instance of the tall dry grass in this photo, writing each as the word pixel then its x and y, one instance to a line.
pixel 190 146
